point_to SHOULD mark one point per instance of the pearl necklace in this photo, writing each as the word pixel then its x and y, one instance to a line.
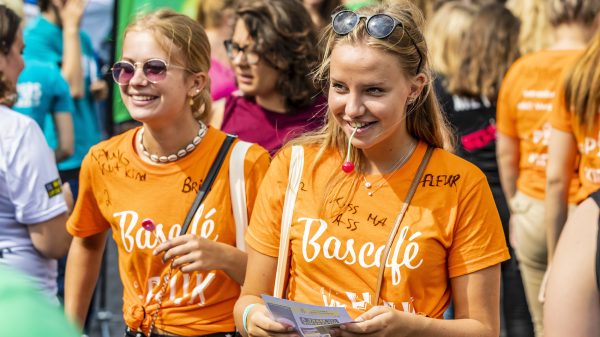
pixel 392 171
pixel 174 156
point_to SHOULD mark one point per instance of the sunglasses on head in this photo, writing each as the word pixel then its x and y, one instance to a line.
pixel 378 26
pixel 155 70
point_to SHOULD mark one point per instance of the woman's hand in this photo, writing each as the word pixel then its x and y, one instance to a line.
pixel 378 321
pixel 260 323
pixel 193 253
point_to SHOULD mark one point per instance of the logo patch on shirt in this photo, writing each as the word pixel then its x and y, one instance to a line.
pixel 53 188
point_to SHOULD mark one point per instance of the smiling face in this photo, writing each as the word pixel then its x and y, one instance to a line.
pixel 369 90
pixel 164 101
pixel 260 79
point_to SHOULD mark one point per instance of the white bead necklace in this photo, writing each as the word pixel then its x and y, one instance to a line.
pixel 174 156
pixel 391 172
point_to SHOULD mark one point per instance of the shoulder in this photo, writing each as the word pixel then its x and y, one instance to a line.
pixel 448 169
pixel 15 125
pixel 113 144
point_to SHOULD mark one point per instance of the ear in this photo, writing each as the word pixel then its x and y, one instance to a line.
pixel 418 83
pixel 198 81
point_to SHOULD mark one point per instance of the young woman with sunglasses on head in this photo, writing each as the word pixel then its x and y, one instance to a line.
pixel 142 183
pixel 347 214
pixel 272 54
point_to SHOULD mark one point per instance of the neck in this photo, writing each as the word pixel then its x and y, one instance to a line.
pixel 313 10
pixel 273 102
pixel 51 16
pixel 391 158
pixel 168 138
pixel 571 36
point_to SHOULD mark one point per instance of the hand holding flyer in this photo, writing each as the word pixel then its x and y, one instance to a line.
pixel 309 320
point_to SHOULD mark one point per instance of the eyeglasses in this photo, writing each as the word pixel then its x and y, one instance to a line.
pixel 155 70
pixel 233 50
pixel 378 26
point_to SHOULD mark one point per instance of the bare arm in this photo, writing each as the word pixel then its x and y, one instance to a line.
pixel 83 267
pixel 260 279
pixel 64 127
pixel 72 69
pixel 508 154
pixel 574 312
pixel 51 237
pixel 476 301
pixel 562 152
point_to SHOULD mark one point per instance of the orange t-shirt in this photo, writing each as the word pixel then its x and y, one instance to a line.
pixel 524 109
pixel 451 228
pixel 588 145
pixel 118 190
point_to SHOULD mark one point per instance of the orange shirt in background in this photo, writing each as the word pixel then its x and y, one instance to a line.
pixel 524 108
pixel 451 228
pixel 588 145
pixel 118 190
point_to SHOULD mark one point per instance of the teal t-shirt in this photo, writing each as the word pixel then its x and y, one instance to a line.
pixel 25 312
pixel 44 41
pixel 43 92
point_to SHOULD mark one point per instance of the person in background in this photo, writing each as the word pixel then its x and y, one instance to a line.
pixel 576 267
pixel 383 117
pixel 536 32
pixel 176 282
pixel 55 36
pixel 273 54
pixel 44 96
pixel 525 107
pixel 487 50
pixel 320 11
pixel 218 17
pixel 33 211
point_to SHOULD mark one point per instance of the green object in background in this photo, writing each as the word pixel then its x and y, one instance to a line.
pixel 127 12
pixel 26 312
pixel 354 5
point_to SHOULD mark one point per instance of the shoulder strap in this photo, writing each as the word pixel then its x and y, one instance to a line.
pixel 206 185
pixel 237 188
pixel 596 197
pixel 295 175
pixel 392 236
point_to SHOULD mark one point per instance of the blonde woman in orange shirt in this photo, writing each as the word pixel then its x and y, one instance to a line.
pixel 450 241
pixel 142 183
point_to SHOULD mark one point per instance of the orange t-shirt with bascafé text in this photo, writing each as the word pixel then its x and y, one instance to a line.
pixel 118 190
pixel 588 145
pixel 451 228
pixel 524 107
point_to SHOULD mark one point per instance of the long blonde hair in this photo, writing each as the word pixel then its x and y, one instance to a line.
pixel 178 31
pixel 424 119
pixel 583 85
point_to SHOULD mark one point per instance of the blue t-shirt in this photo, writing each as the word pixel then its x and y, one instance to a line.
pixel 42 93
pixel 44 41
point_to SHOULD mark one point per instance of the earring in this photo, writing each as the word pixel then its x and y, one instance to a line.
pixel 191 101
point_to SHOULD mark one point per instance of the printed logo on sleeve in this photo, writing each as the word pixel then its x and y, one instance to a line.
pixel 53 188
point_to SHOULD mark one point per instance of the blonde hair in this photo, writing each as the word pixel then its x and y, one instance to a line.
pixel 572 11
pixel 536 31
pixel 489 48
pixel 583 85
pixel 186 36
pixel 444 34
pixel 424 120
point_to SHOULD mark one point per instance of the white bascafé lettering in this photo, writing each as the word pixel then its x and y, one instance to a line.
pixel 133 235
pixel 369 255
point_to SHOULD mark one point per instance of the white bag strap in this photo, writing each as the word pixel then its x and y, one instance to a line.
pixel 237 188
pixel 295 175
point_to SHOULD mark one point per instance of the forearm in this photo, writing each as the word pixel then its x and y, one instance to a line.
pixel 424 327
pixel 235 263
pixel 508 164
pixel 83 268
pixel 238 311
pixel 64 126
pixel 556 204
pixel 72 69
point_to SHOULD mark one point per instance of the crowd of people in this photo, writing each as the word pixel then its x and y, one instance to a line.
pixel 430 166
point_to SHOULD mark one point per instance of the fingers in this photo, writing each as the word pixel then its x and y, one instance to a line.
pixel 260 323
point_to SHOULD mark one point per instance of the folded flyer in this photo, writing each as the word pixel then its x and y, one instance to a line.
pixel 309 320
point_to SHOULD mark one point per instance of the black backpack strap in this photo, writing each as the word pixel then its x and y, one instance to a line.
pixel 207 183
pixel 596 197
